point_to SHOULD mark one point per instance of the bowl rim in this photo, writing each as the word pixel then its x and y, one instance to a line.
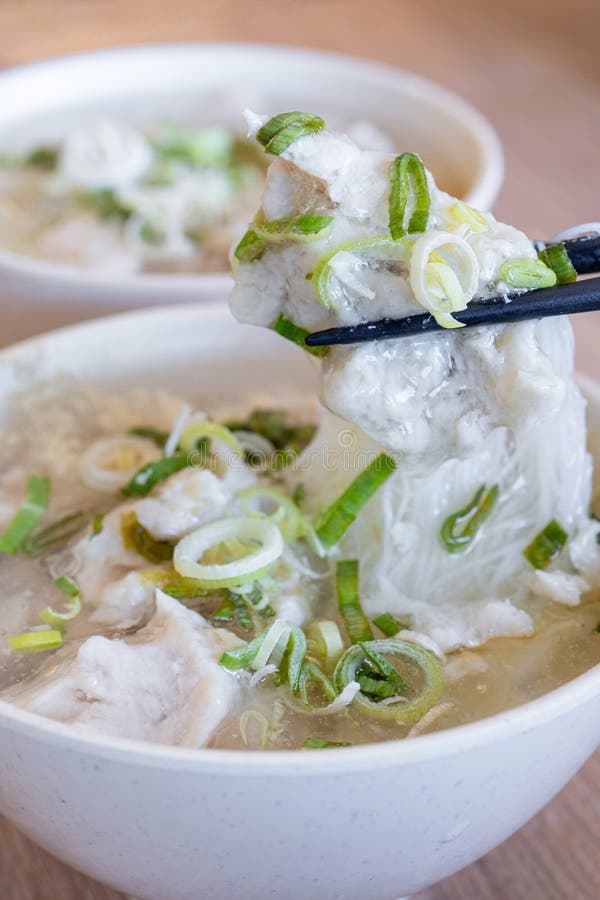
pixel 483 732
pixel 484 137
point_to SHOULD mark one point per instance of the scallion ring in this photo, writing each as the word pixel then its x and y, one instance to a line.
pixel 366 254
pixel 108 464
pixel 292 332
pixel 256 533
pixel 27 516
pixel 458 531
pixel 301 229
pixel 409 196
pixel 463 214
pixel 547 545
pixel 58 619
pixel 335 521
pixel 410 711
pixel 526 274
pixel 197 431
pixel 444 275
pixel 280 131
pixel 35 641
pixel 280 509
pixel 555 256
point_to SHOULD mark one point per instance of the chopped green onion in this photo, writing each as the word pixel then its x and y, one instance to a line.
pixel 173 584
pixel 327 640
pixel 555 256
pixel 137 538
pixel 27 516
pixel 263 539
pixel 198 147
pixel 67 586
pixel 288 329
pixel 250 248
pixel 106 204
pixel 152 474
pixel 547 545
pixel 285 515
pixel 380 249
pixel 150 434
pixel 407 710
pixel 385 668
pixel 468 521
pixel 57 619
pixel 225 610
pixel 274 645
pixel 300 493
pixel 198 431
pixel 56 533
pixel 243 657
pixel 465 215
pixel 305 228
pixel 387 623
pixel 321 744
pixel 408 172
pixel 290 670
pixel 35 641
pixel 272 424
pixel 279 132
pixel 241 611
pixel 336 520
pixel 357 624
pixel 526 274
pixel 45 158
pixel 311 672
pixel 97 524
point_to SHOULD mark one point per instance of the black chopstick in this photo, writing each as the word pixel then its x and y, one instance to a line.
pixel 584 253
pixel 561 300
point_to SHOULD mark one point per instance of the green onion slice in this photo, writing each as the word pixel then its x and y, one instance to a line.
pixel 35 641
pixel 152 474
pixel 458 531
pixel 370 254
pixel 57 619
pixel 58 532
pixel 555 257
pixel 262 538
pixel 160 438
pixel 279 132
pixel 288 329
pixel 357 624
pixel 250 248
pixel 408 710
pixel 327 641
pixel 336 520
pixel 290 670
pixel 305 228
pixel 526 274
pixel 283 511
pixel 388 623
pixel 225 610
pixel 242 657
pixel 465 215
pixel 313 674
pixel 137 538
pixel 322 744
pixel 27 516
pixel 197 431
pixel 547 545
pixel 408 188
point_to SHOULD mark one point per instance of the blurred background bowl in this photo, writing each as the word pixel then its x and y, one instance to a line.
pixel 206 84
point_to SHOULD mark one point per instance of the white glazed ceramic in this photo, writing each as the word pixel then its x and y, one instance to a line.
pixel 366 823
pixel 212 83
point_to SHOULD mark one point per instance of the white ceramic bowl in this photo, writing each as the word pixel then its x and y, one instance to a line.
pixel 365 823
pixel 212 83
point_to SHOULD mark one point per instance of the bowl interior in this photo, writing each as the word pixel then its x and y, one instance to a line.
pixel 212 83
pixel 204 354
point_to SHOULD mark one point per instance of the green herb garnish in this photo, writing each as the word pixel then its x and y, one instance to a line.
pixel 546 546
pixel 459 530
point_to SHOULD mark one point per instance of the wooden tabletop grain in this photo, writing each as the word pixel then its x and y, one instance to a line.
pixel 533 68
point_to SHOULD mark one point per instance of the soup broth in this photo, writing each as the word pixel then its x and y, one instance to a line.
pixel 50 432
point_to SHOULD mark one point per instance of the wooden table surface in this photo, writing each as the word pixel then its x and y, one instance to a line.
pixel 533 68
